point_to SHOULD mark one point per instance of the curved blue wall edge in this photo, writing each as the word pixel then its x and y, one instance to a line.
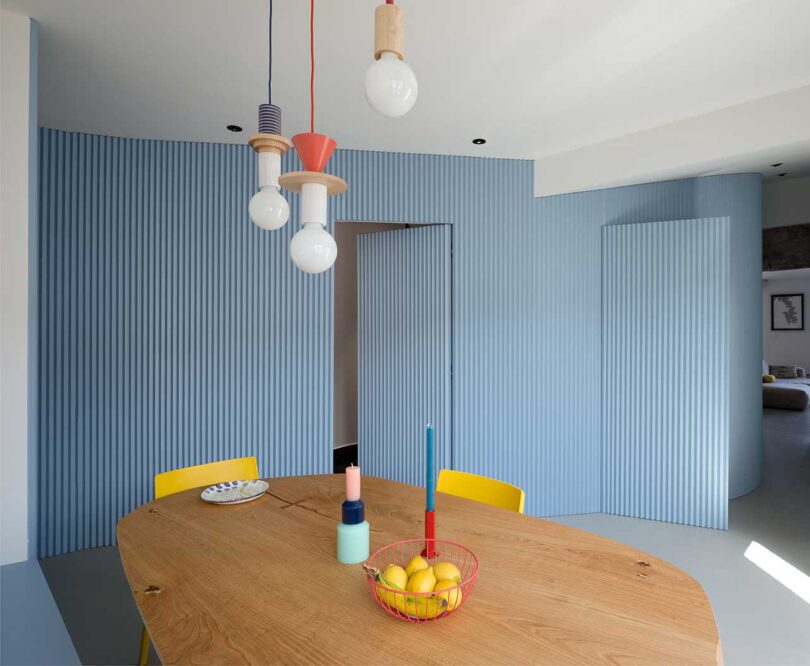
pixel 173 332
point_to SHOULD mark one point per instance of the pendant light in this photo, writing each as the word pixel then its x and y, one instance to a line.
pixel 391 88
pixel 313 249
pixel 268 208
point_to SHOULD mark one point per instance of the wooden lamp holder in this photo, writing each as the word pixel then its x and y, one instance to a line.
pixel 315 150
pixel 273 143
pixel 293 181
pixel 388 31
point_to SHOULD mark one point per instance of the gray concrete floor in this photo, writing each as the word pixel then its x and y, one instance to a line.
pixel 93 595
pixel 761 622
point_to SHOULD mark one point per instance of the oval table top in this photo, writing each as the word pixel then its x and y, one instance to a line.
pixel 259 583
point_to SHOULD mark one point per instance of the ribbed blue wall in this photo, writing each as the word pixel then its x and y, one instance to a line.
pixel 740 198
pixel 665 312
pixel 404 347
pixel 526 336
pixel 568 266
pixel 173 332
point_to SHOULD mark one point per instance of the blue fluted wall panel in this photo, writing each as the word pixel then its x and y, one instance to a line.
pixel 665 356
pixel 404 350
pixel 174 332
pixel 527 337
pixel 740 198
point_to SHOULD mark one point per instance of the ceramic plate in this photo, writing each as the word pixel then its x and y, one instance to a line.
pixel 235 492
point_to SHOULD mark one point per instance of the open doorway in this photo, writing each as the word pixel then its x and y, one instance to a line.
pixel 786 345
pixel 344 436
pixel 392 346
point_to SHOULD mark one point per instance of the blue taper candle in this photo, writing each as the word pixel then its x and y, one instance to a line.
pixel 431 482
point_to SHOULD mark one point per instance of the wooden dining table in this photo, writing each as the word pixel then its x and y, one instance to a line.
pixel 259 583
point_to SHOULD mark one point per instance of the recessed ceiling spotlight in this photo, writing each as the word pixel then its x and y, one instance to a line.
pixel 478 142
pixel 234 128
pixel 782 174
pixel 778 164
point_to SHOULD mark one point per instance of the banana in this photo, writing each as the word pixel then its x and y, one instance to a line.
pixel 390 598
pixel 404 603
pixel 429 607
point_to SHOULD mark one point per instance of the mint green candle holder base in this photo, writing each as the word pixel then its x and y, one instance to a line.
pixel 352 543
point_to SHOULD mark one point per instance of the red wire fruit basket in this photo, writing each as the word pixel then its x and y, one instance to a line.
pixel 421 606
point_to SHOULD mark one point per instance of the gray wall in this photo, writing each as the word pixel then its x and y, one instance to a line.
pixel 786 202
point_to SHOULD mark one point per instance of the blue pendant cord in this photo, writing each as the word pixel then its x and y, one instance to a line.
pixel 270 54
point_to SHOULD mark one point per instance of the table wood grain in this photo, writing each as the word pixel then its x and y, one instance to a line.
pixel 259 583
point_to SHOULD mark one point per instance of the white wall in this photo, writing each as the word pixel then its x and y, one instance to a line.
pixel 17 202
pixel 786 347
pixel 786 202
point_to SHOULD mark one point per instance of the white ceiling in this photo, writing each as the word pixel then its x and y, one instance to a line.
pixel 534 77
pixel 745 138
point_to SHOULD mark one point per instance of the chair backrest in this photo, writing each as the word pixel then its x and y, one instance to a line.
pixel 481 489
pixel 178 480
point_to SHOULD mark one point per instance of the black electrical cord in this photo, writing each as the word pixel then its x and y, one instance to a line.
pixel 270 54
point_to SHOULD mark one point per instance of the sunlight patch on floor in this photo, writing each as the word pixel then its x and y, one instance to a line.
pixel 773 565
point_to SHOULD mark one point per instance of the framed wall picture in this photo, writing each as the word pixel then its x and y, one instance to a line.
pixel 787 312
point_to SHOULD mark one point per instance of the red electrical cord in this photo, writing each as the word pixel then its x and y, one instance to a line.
pixel 312 65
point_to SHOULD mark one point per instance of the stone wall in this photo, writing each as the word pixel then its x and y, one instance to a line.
pixel 786 248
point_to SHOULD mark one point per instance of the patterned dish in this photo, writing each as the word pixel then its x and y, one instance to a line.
pixel 235 492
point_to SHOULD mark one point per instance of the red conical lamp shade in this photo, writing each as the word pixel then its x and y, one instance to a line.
pixel 314 149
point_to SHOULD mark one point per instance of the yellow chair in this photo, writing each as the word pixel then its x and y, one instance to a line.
pixel 186 478
pixel 179 480
pixel 481 489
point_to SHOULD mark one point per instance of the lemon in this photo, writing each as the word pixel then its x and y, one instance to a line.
pixel 396 575
pixel 447 571
pixel 453 597
pixel 416 564
pixel 422 581
pixel 392 579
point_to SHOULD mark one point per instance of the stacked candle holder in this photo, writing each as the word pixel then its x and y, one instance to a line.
pixel 353 530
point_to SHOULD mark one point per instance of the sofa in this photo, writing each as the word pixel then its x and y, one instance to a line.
pixel 789 390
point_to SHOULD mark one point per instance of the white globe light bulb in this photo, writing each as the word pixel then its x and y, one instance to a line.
pixel 391 87
pixel 268 209
pixel 313 249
